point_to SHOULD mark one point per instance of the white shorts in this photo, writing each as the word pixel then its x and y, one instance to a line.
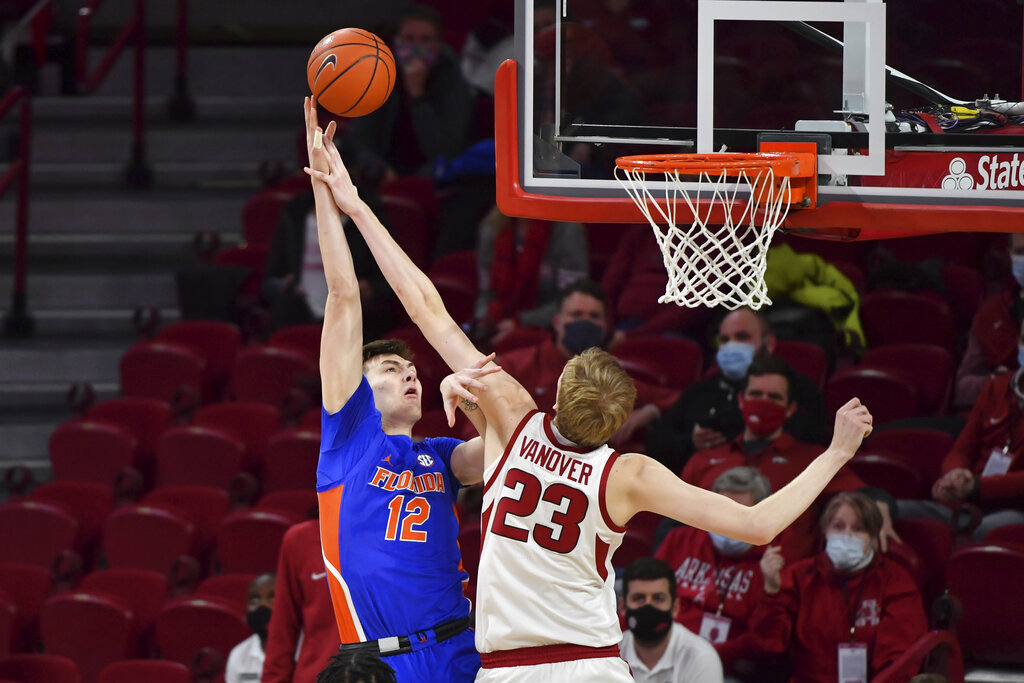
pixel 599 670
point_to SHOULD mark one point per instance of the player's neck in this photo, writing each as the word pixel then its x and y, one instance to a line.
pixel 396 427
pixel 651 653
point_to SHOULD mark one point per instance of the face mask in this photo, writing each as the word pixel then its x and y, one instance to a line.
pixel 729 547
pixel 762 417
pixel 1017 263
pixel 1020 355
pixel 581 335
pixel 407 52
pixel 734 358
pixel 258 619
pixel 847 552
pixel 648 623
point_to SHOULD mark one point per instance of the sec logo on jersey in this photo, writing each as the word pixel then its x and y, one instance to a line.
pixel 425 459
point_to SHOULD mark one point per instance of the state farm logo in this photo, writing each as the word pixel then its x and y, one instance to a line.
pixel 993 173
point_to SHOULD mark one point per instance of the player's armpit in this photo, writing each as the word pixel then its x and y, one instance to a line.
pixel 468 461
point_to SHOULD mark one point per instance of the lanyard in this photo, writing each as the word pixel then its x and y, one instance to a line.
pixel 718 589
pixel 851 611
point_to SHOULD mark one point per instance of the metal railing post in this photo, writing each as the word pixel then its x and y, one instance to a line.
pixel 181 106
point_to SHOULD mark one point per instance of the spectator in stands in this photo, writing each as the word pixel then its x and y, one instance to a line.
pixel 718 579
pixel 245 663
pixel 523 265
pixel 580 323
pixel 986 465
pixel 303 634
pixel 846 609
pixel 294 285
pixel 707 414
pixel 357 667
pixel 634 280
pixel 766 444
pixel 656 649
pixel 992 344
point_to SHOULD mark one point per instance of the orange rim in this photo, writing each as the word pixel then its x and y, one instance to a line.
pixel 729 163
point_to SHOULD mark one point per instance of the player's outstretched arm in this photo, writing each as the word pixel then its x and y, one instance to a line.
pixel 640 483
pixel 422 301
pixel 342 337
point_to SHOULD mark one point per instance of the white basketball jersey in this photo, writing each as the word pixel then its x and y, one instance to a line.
pixel 545 573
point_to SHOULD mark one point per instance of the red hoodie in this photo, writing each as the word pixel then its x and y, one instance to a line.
pixel 302 607
pixel 698 568
pixel 810 616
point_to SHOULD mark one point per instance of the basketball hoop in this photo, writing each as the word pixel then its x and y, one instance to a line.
pixel 716 252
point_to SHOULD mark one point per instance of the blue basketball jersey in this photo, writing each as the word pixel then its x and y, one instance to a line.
pixel 387 525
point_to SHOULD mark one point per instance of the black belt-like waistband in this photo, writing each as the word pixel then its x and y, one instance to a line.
pixel 400 645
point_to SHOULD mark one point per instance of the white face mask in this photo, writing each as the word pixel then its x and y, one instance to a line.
pixel 729 547
pixel 847 553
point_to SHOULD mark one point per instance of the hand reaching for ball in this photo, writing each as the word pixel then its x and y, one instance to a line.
pixel 334 175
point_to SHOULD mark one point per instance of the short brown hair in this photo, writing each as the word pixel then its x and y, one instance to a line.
pixel 383 347
pixel 595 396
pixel 865 509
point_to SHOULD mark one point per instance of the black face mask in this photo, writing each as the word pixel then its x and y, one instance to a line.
pixel 581 335
pixel 648 623
pixel 258 619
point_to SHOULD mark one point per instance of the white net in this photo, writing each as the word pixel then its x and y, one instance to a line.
pixel 720 263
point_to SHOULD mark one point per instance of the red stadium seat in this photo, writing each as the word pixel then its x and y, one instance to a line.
pixel 148 670
pixel 932 540
pixel 92 450
pixel 199 456
pixel 266 374
pixel 922 449
pixel 261 213
pixel 248 541
pixel 965 288
pixel 86 501
pixel 232 589
pixel 456 265
pixel 204 506
pixel 930 368
pixel 663 361
pixel 806 358
pixel 298 503
pixel 93 630
pixel 991 627
pixel 890 474
pixel 10 635
pixel 890 396
pixel 252 422
pixel 302 338
pixel 217 340
pixel 458 296
pixel 39 668
pixel 252 257
pixel 905 556
pixel 165 370
pixel 409 224
pixel 634 544
pixel 35 532
pixel 187 625
pixel 522 337
pixel 1009 535
pixel 28 586
pixel 143 590
pixel 146 418
pixel 144 537
pixel 896 317
pixel 291 460
pixel 936 652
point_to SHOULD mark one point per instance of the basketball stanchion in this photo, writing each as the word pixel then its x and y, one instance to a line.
pixel 716 219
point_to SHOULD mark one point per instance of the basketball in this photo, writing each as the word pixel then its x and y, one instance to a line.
pixel 351 72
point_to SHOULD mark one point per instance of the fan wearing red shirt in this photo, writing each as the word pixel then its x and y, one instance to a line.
pixel 846 609
pixel 302 635
pixel 718 579
pixel 766 404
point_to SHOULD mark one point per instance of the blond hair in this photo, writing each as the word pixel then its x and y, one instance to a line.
pixel 595 396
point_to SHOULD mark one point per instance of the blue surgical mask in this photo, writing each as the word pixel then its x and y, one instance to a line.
pixel 1017 264
pixel 1020 355
pixel 734 359
pixel 581 335
pixel 847 552
pixel 729 547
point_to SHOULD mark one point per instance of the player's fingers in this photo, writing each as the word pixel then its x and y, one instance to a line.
pixel 319 175
pixel 331 128
pixel 449 412
pixel 485 360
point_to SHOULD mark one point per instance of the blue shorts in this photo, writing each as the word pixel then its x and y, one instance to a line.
pixel 455 660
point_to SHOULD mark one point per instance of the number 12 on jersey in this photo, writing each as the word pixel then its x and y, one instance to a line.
pixel 415 511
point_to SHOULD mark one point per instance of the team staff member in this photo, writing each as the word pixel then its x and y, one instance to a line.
pixel 387 520
pixel 848 609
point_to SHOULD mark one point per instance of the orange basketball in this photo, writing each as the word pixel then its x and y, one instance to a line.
pixel 351 72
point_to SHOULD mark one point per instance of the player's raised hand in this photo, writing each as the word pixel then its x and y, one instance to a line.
pixel 458 385
pixel 318 158
pixel 853 425
pixel 337 177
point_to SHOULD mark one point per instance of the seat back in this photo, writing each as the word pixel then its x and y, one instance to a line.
pixel 233 589
pixel 148 670
pixel 88 502
pixel 146 418
pixel 932 540
pixel 297 503
pixel 1008 535
pixel 35 532
pixel 266 374
pixel 164 370
pixel 929 367
pixel 39 668
pixel 807 358
pixel 889 396
pixel 252 422
pixel 92 450
pixel 204 506
pixel 28 586
pixel 144 590
pixel 662 361
pixel 261 214
pixel 93 630
pixel 198 456
pixel 248 541
pixel 291 461
pixel 218 341
pixel 922 449
pixel 890 474
pixel 302 338
pixel 991 627
pixel 187 625
pixel 894 317
pixel 144 537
